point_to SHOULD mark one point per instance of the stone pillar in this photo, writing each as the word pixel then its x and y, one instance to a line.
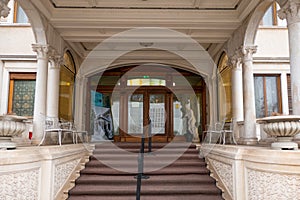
pixel 53 86
pixel 249 135
pixel 237 88
pixel 40 91
pixel 290 12
pixel 236 93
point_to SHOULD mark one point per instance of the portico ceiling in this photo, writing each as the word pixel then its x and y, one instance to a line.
pixel 85 23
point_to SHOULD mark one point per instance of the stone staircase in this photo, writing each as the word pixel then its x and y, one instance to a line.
pixel 174 172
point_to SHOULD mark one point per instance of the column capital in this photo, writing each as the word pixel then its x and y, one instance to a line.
pixel 247 52
pixel 42 50
pixel 55 59
pixel 290 11
pixel 236 60
pixel 4 9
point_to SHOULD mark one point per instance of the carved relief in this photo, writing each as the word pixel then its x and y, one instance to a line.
pixel 224 171
pixel 290 11
pixel 42 50
pixel 4 9
pixel 270 186
pixel 62 173
pixel 21 185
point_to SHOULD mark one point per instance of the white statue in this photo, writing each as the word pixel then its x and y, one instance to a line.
pixel 191 122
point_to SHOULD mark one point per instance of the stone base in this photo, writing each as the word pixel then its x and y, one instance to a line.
pixel 7 145
pixel 248 141
pixel 284 146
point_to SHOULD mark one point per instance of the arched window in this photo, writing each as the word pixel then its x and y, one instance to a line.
pixel 66 89
pixel 224 85
pixel 271 17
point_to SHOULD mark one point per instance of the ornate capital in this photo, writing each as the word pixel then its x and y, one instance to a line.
pixel 4 9
pixel 247 52
pixel 236 60
pixel 290 11
pixel 42 50
pixel 55 59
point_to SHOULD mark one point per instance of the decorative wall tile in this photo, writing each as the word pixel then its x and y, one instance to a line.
pixel 21 185
pixel 224 171
pixel 62 172
pixel 269 186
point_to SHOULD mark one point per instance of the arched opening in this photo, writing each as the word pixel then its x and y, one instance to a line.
pixel 121 101
pixel 66 87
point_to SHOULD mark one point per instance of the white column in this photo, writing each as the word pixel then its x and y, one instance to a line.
pixel 284 94
pixel 53 86
pixel 249 135
pixel 237 88
pixel 290 12
pixel 40 91
pixel 2 110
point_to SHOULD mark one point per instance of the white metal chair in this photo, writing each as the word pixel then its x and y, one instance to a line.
pixel 213 135
pixel 53 125
pixel 229 132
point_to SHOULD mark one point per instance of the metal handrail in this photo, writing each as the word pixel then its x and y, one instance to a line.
pixel 140 174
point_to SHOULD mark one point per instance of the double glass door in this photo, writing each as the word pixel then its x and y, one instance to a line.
pixel 147 112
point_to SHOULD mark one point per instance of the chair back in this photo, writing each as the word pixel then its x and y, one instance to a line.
pixel 51 122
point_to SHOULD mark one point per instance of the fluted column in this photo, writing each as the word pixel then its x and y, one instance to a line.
pixel 249 135
pixel 53 85
pixel 40 91
pixel 290 12
pixel 237 88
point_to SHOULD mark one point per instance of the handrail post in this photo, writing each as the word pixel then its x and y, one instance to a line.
pixel 150 137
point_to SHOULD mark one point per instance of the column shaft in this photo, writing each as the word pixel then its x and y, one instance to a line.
pixel 41 91
pixel 53 87
pixel 249 135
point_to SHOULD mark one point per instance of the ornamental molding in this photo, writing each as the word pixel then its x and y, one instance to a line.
pixel 271 185
pixel 236 60
pixel 247 52
pixel 224 171
pixel 22 185
pixel 62 173
pixel 4 9
pixel 290 11
pixel 41 50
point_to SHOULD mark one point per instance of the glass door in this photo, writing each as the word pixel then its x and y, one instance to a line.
pixel 157 113
pixel 143 107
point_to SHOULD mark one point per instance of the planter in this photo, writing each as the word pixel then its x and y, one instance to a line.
pixel 10 126
pixel 284 128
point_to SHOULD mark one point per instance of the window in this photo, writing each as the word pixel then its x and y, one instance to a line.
pixel 224 87
pixel 66 88
pixel 271 17
pixel 19 14
pixel 21 93
pixel 267 95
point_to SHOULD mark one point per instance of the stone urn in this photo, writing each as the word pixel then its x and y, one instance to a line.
pixel 284 128
pixel 10 126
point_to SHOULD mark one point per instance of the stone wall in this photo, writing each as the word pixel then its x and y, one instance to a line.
pixel 259 173
pixel 45 172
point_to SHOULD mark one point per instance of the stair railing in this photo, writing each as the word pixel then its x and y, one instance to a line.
pixel 141 175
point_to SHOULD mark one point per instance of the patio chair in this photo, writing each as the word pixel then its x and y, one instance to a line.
pixel 213 135
pixel 53 125
pixel 229 132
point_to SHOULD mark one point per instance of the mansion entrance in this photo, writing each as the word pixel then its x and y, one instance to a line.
pixel 163 101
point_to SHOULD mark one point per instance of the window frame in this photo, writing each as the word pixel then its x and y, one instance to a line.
pixel 279 93
pixel 17 76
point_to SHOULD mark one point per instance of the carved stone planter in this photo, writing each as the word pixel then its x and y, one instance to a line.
pixel 284 128
pixel 10 126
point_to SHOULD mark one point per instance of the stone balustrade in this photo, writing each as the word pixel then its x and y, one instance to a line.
pixel 248 172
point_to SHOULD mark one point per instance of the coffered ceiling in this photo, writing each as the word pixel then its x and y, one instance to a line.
pixel 85 23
